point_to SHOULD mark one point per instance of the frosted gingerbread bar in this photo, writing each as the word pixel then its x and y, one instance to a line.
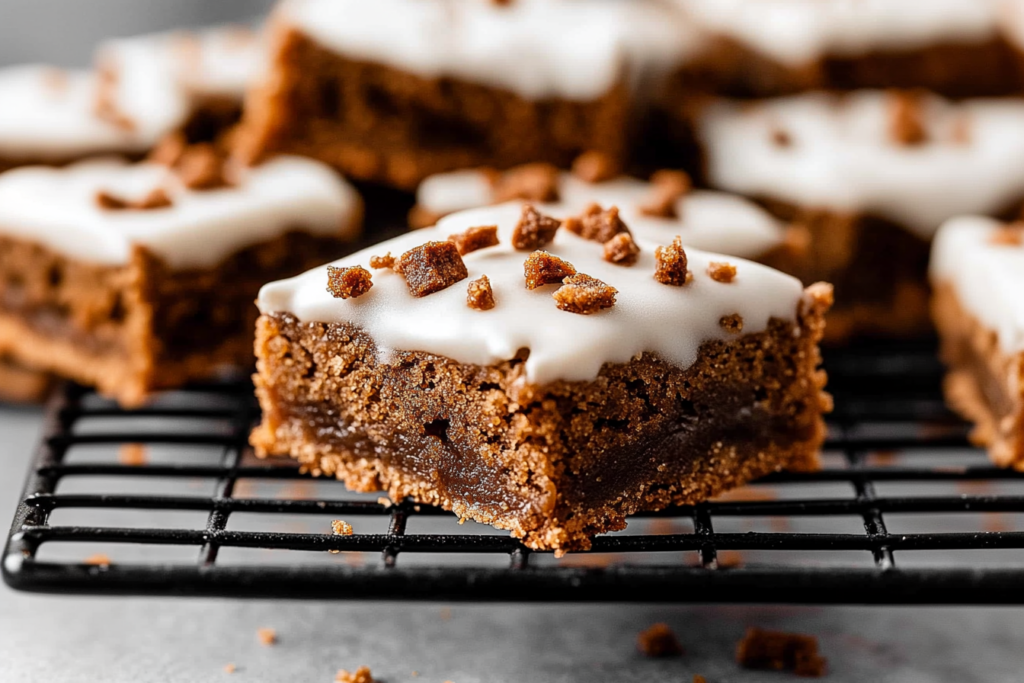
pixel 138 277
pixel 510 369
pixel 868 177
pixel 977 272
pixel 395 90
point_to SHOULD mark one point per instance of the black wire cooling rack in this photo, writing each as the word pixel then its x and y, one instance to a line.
pixel 168 500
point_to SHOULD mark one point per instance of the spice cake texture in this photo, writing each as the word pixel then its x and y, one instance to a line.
pixel 977 272
pixel 538 384
pixel 138 277
pixel 868 177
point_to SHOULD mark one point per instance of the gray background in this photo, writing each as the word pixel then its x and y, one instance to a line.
pixel 50 639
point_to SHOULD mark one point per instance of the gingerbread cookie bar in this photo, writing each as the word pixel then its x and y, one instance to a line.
pixel 959 48
pixel 869 176
pixel 515 371
pixel 977 271
pixel 138 277
pixel 395 90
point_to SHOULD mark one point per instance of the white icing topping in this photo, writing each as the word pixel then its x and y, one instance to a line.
pixel 671 322
pixel 158 77
pixel 842 155
pixel 988 278
pixel 47 114
pixel 573 49
pixel 795 32
pixel 713 221
pixel 57 208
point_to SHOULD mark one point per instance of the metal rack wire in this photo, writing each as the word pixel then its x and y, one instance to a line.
pixel 905 511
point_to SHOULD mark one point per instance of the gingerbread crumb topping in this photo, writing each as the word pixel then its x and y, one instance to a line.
pixel 385 261
pixel 596 223
pixel 432 267
pixel 480 295
pixel 732 323
pixel 906 124
pixel 360 675
pixel 537 182
pixel 542 268
pixel 583 294
pixel 348 283
pixel 267 636
pixel 670 264
pixel 109 202
pixel 621 250
pixel 594 167
pixel 479 237
pixel 155 199
pixel 667 188
pixel 774 650
pixel 658 641
pixel 200 168
pixel 169 149
pixel 1008 236
pixel 781 138
pixel 534 229
pixel 720 271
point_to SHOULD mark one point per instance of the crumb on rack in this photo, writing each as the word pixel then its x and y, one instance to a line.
pixel 778 651
pixel 360 675
pixel 267 636
pixel 658 641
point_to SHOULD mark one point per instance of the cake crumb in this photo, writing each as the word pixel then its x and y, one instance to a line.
pixel 534 229
pixel 1008 236
pixel 109 202
pixel 200 168
pixel 341 528
pixel 667 188
pixel 542 268
pixel 480 295
pixel 658 641
pixel 132 454
pixel 596 223
pixel 537 182
pixel 720 271
pixel 230 668
pixel 98 560
pixel 594 167
pixel 156 199
pixel 778 651
pixel 621 250
pixel 781 138
pixel 385 502
pixel 267 636
pixel 432 267
pixel 471 240
pixel 670 264
pixel 168 150
pixel 360 675
pixel 385 261
pixel 348 283
pixel 906 124
pixel 732 323
pixel 584 295
pixel 697 678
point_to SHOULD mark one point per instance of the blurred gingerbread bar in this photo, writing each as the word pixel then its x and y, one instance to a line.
pixel 958 48
pixel 509 367
pixel 138 277
pixel 868 177
pixel 977 271
pixel 393 91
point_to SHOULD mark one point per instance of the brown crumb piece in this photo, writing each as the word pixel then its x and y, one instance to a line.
pixel 132 454
pixel 169 149
pixel 480 237
pixel 732 323
pixel 670 268
pixel 360 675
pixel 1008 236
pixel 534 230
pixel 542 268
pixel 719 271
pixel 533 182
pixel 480 295
pixel 109 202
pixel 230 668
pixel 98 560
pixel 781 138
pixel 432 267
pixel 385 261
pixel 267 636
pixel 594 167
pixel 596 223
pixel 348 283
pixel 668 187
pixel 583 294
pixel 201 168
pixel 621 250
pixel 658 641
pixel 156 199
pixel 730 559
pixel 906 123
pixel 341 528
pixel 774 650
pixel 697 678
